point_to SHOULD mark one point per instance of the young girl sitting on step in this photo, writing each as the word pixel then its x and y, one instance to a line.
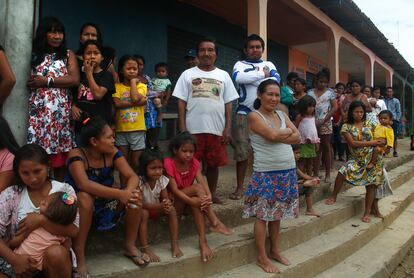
pixel 156 201
pixel 183 169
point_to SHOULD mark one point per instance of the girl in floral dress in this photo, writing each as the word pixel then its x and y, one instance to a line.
pixel 272 194
pixel 358 134
pixel 326 107
pixel 54 70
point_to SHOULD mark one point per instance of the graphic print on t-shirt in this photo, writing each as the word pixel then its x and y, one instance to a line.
pixel 206 88
pixel 127 115
pixel 84 93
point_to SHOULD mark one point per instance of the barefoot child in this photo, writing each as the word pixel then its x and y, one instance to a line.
pixel 153 185
pixel 306 184
pixel 383 131
pixel 309 140
pixel 183 169
pixel 59 208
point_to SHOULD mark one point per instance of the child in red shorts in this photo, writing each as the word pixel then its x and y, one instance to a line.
pixel 153 185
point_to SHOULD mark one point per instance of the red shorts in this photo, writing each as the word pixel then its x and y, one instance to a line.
pixel 58 160
pixel 211 148
pixel 154 214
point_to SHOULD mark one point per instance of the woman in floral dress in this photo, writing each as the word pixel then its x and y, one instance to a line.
pixel 54 70
pixel 359 136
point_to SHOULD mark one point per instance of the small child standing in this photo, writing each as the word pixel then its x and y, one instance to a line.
pixel 59 208
pixel 306 184
pixel 383 131
pixel 161 84
pixel 129 99
pixel 309 140
pixel 183 169
pixel 153 185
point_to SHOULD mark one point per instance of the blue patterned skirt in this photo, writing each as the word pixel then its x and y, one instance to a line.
pixel 272 196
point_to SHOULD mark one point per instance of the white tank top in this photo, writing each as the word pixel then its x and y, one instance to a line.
pixel 270 156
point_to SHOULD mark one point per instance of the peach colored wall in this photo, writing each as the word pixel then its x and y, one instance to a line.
pixel 301 63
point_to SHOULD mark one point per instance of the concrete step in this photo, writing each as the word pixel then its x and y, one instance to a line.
pixel 333 246
pixel 234 251
pixel 381 255
pixel 229 214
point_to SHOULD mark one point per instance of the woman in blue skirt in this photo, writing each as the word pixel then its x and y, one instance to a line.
pixel 272 194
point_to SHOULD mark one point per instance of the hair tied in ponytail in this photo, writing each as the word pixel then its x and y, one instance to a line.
pixel 86 121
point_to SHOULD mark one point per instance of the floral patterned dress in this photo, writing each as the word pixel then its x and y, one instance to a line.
pixel 355 169
pixel 49 110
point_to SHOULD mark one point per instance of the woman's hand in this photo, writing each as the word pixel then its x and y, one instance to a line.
pixel 30 223
pixel 76 113
pixel 37 81
pixel 24 266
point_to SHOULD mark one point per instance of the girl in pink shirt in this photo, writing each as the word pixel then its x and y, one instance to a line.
pixel 183 169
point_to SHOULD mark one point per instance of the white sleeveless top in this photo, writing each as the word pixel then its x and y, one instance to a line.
pixel 270 156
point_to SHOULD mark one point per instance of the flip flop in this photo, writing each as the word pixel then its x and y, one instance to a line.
pixel 135 259
pixel 235 196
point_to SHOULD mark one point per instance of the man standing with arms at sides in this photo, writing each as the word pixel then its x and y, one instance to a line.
pixel 248 74
pixel 393 104
pixel 205 94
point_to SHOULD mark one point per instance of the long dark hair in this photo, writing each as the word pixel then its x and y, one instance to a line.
pixel 40 45
pixel 148 156
pixel 304 103
pixel 31 152
pixel 7 139
pixel 262 88
pixel 352 107
pixel 91 127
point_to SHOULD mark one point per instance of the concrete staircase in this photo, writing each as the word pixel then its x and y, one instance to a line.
pixel 337 244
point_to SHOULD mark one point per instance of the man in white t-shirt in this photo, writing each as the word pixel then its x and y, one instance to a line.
pixel 248 74
pixel 205 94
pixel 377 103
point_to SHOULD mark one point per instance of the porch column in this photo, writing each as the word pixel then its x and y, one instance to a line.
pixel 333 56
pixel 369 70
pixel 388 78
pixel 16 37
pixel 257 20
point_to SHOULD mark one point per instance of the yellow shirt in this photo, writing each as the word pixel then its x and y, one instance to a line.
pixel 384 132
pixel 131 118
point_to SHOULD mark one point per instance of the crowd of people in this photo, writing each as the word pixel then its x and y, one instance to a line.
pixel 89 118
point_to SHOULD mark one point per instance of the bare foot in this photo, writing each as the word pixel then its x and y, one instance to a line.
pixel 176 251
pixel 221 229
pixel 327 179
pixel 312 213
pixel 153 257
pixel 81 271
pixel 267 265
pixel 365 219
pixel 278 257
pixel 330 201
pixel 378 215
pixel 217 200
pixel 206 253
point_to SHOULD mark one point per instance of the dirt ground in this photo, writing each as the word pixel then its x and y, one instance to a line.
pixel 406 268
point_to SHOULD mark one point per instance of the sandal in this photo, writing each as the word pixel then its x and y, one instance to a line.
pixel 235 196
pixel 137 258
